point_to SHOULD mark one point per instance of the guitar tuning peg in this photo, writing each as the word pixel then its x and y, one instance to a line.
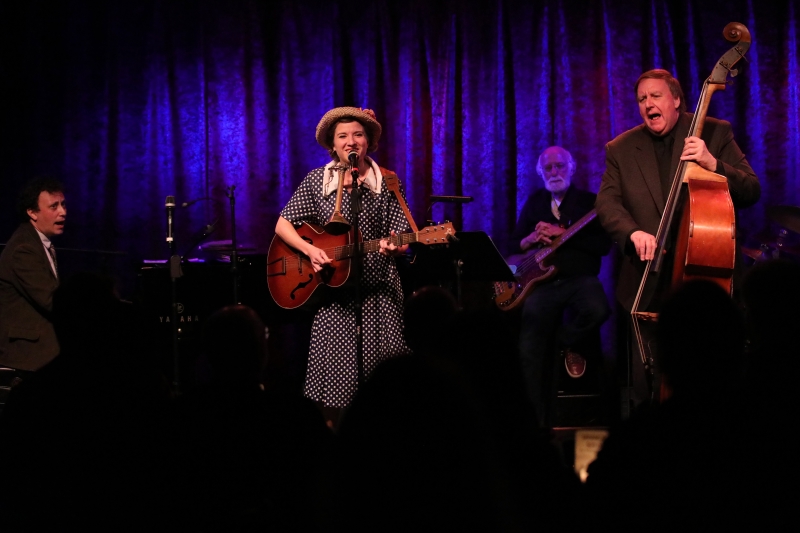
pixel 734 72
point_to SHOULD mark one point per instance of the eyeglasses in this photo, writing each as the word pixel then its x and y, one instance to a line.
pixel 559 166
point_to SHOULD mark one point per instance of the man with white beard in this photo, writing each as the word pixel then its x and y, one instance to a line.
pixel 558 315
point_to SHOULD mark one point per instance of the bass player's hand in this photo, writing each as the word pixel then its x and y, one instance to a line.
pixel 694 149
pixel 645 245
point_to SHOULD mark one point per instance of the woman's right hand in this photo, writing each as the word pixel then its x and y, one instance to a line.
pixel 285 230
pixel 318 258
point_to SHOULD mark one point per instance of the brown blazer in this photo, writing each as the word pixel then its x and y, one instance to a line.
pixel 630 196
pixel 27 283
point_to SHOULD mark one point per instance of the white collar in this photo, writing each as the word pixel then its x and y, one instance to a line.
pixel 43 237
pixel 330 179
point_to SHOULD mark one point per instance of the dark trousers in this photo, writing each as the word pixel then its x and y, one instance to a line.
pixel 555 316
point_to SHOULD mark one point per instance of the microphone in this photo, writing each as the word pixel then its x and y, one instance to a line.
pixel 170 205
pixel 353 158
pixel 192 202
pixel 451 199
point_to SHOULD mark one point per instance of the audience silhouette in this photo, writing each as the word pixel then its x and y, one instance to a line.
pixel 683 463
pixel 78 435
pixel 443 439
pixel 245 456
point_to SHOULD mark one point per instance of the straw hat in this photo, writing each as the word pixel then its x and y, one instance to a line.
pixel 365 116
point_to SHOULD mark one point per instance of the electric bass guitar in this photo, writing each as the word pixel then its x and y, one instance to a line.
pixel 291 278
pixel 533 269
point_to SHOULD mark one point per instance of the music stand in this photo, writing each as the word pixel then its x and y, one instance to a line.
pixel 470 257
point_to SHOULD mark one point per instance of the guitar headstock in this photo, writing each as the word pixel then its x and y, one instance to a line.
pixel 438 234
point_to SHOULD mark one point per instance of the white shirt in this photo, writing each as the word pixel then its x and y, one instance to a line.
pixel 46 243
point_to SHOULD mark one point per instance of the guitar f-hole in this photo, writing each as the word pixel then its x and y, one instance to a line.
pixel 300 286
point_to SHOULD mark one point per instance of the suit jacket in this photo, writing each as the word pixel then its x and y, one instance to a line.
pixel 27 283
pixel 582 254
pixel 630 196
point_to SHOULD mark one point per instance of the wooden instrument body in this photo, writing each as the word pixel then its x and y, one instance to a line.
pixel 510 294
pixel 291 279
pixel 705 247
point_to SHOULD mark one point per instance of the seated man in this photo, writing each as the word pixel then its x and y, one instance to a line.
pixel 29 277
pixel 575 289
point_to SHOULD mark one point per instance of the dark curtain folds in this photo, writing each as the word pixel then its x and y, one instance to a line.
pixel 131 101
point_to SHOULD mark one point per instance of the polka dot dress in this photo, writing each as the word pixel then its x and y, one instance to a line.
pixel 332 372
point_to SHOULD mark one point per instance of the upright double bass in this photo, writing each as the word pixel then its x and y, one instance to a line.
pixel 702 236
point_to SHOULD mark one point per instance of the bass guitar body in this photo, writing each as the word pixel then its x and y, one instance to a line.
pixel 290 277
pixel 529 274
pixel 533 268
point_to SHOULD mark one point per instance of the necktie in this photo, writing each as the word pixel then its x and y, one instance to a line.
pixel 554 208
pixel 52 251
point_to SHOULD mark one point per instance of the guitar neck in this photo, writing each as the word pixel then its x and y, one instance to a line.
pixel 542 254
pixel 350 250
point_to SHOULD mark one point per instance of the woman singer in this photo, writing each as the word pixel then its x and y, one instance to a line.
pixel 332 373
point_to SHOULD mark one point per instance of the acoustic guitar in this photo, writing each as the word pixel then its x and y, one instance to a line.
pixel 532 268
pixel 291 278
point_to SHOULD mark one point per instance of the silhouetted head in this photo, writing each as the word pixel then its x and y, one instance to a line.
pixel 428 318
pixel 701 339
pixel 771 292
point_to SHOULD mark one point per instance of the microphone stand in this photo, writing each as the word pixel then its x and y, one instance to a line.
pixel 357 266
pixel 234 254
pixel 175 272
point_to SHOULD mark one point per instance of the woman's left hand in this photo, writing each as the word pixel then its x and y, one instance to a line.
pixel 389 249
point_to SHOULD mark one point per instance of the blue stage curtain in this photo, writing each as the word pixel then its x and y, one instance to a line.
pixel 131 101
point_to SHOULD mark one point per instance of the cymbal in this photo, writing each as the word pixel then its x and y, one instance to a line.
pixel 787 216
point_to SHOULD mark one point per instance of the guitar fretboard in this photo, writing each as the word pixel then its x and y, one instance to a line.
pixel 349 250
pixel 435 236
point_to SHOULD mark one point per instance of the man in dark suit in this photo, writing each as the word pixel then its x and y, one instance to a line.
pixel 640 165
pixel 559 315
pixel 29 277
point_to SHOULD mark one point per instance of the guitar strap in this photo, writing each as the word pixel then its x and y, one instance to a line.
pixel 393 182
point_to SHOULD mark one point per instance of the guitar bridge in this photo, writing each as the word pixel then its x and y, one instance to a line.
pixel 277 267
